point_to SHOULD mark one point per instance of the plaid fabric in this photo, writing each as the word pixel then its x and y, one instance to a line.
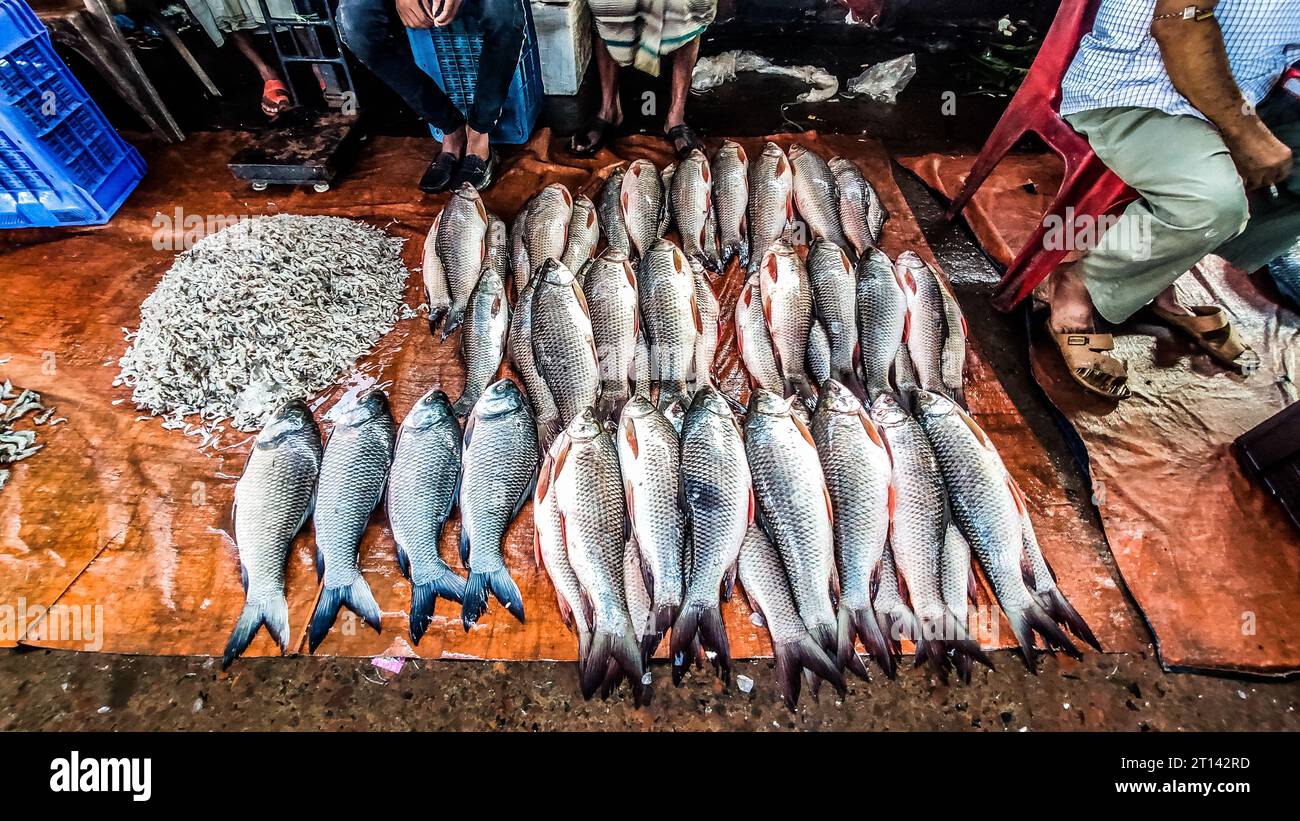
pixel 1119 62
pixel 639 32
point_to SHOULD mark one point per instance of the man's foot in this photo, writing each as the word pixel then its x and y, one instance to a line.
pixel 275 98
pixel 591 139
pixel 1084 351
pixel 684 139
pixel 477 171
pixel 1209 328
pixel 440 174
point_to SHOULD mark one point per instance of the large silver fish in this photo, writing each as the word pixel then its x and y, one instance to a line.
pixel 1040 578
pixel 753 341
pixel 273 499
pixel 717 499
pixel 771 202
pixel 461 245
pixel 436 291
pixel 353 474
pixel 691 198
pixel 927 326
pixel 768 590
pixel 858 475
pixel 989 512
pixel 862 213
pixel 882 320
pixel 546 231
pixel 584 234
pixel 551 554
pixel 487 324
pixel 835 305
pixel 794 508
pixel 498 472
pixel 671 318
pixel 706 342
pixel 421 493
pixel 564 346
pixel 615 322
pixel 917 535
pixel 649 458
pixel 815 195
pixel 610 213
pixel 641 200
pixel 519 265
pixel 788 306
pixel 730 198
pixel 589 496
pixel 520 344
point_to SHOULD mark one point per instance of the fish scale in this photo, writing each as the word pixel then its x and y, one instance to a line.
pixel 671 318
pixel 835 305
pixel 615 322
pixel 882 320
pixel 353 473
pixel 420 496
pixel 589 496
pixel 771 204
pixel 273 499
pixel 790 489
pixel 730 199
pixel 815 195
pixel 564 347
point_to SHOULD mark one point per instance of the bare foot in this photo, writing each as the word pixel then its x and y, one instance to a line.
pixel 476 143
pixel 454 142
pixel 1086 356
pixel 1070 302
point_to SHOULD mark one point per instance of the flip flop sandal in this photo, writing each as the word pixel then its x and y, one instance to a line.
pixel 601 128
pixel 1088 363
pixel 1209 328
pixel 686 135
pixel 275 98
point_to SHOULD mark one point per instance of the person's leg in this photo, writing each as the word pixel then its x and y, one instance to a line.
pixel 1274 225
pixel 611 108
pixel 1191 200
pixel 502 23
pixel 275 97
pixel 683 64
pixel 372 31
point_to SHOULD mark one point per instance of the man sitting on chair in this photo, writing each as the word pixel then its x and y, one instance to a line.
pixel 373 31
pixel 1183 103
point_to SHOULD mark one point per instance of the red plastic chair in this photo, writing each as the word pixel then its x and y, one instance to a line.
pixel 1088 187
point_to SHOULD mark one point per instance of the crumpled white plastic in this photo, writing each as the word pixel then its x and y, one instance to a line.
pixel 711 72
pixel 884 81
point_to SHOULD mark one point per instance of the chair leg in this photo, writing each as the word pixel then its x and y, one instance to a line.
pixel 1016 120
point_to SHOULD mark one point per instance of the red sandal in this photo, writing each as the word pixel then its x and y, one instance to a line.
pixel 275 98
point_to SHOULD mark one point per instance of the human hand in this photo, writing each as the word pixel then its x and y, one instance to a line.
pixel 1262 159
pixel 445 11
pixel 414 15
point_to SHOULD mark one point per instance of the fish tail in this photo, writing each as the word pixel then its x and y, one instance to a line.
pixel 610 406
pixel 943 640
pixel 546 432
pixel 793 657
pixel 455 315
pixel 618 650
pixel 702 621
pixel 849 379
pixel 356 596
pixel 826 636
pixel 274 614
pixel 1030 619
pixel 846 655
pixel 436 314
pixel 425 596
pixel 1063 613
pixel 964 665
pixel 503 587
pixel 462 406
pixel 867 626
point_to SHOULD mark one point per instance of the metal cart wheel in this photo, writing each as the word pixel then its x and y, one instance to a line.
pixel 260 186
pixel 321 187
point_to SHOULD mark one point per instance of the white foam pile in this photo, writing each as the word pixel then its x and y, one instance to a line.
pixel 267 310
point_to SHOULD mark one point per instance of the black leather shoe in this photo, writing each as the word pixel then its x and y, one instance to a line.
pixel 477 172
pixel 440 174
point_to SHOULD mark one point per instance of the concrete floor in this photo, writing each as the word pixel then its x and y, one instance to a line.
pixel 78 691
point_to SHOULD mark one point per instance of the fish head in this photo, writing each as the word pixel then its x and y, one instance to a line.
pixel 931 404
pixel 371 405
pixel 795 152
pixel 910 259
pixel 288 419
pixel 711 400
pixel 501 397
pixel 554 272
pixel 638 407
pixel 429 411
pixel 887 412
pixel 836 398
pixel 875 264
pixel 585 426
pixel 839 164
pixel 733 149
pixel 558 192
pixel 766 403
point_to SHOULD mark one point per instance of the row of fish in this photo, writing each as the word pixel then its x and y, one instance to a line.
pixel 420 474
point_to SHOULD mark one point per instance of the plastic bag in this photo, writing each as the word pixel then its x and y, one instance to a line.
pixel 711 72
pixel 884 81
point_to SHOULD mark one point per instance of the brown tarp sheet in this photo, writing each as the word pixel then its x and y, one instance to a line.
pixel 1212 562
pixel 123 514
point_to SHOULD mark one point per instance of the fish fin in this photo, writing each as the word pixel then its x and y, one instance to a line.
pixel 455 315
pixel 846 654
pixel 620 649
pixel 866 625
pixel 895 625
pixel 793 658
pixel 243 577
pixel 319 563
pixel 464 404
pixel 503 587
pixel 1028 620
pixel 728 586
pixel 356 596
pixel 1063 613
pixel 703 621
pixel 464 546
pixel 274 614
pixel 403 563
pixel 425 596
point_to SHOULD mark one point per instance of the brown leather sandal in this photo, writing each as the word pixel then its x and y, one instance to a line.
pixel 1209 328
pixel 1088 363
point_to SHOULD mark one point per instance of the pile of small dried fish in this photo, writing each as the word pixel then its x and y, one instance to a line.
pixel 262 312
pixel 16 443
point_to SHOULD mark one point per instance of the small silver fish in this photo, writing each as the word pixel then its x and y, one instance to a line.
pixel 610 213
pixel 753 341
pixel 771 203
pixel 564 346
pixel 641 200
pixel 691 198
pixel 706 342
pixel 862 213
pixel 815 195
pixel 487 323
pixel 730 198
pixel 671 318
pixel 882 320
pixel 788 307
pixel 584 234
pixel 520 343
pixel 835 306
pixel 615 323
pixel 461 245
pixel 546 231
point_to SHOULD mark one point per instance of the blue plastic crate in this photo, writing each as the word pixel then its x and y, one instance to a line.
pixel 450 56
pixel 61 163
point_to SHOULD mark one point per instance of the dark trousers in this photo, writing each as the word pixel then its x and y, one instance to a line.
pixel 373 32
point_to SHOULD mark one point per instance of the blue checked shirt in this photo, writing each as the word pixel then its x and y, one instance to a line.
pixel 1119 63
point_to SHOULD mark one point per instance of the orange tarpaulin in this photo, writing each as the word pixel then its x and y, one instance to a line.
pixel 1212 561
pixel 119 513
